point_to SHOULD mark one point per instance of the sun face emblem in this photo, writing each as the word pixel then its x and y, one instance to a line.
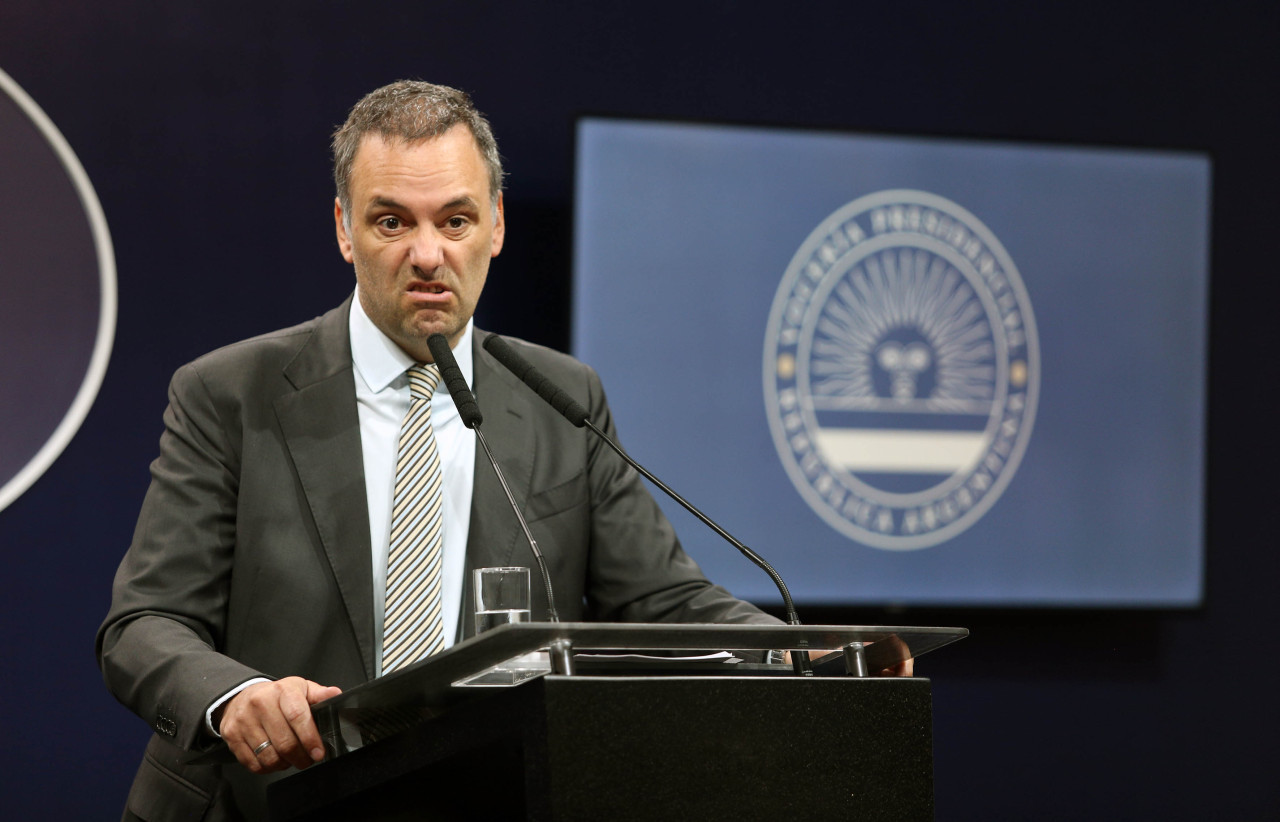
pixel 901 370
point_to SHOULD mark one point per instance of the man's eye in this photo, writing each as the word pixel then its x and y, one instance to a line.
pixel 456 222
pixel 390 223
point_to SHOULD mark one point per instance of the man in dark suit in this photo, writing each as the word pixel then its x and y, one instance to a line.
pixel 255 582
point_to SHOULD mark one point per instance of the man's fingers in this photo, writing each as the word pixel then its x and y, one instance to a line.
pixel 242 730
pixel 244 755
pixel 296 710
pixel 267 714
pixel 288 722
pixel 319 693
pixel 305 726
pixel 278 713
pixel 246 745
pixel 904 668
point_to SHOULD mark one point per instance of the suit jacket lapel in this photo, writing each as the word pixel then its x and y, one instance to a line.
pixel 321 428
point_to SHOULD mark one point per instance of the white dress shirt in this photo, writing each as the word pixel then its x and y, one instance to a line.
pixel 382 398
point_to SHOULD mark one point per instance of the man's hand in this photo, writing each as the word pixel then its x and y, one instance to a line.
pixel 907 667
pixel 276 712
pixel 904 668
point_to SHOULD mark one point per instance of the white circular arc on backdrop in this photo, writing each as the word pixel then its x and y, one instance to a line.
pixel 97 369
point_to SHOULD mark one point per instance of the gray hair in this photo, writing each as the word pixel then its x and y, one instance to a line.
pixel 410 110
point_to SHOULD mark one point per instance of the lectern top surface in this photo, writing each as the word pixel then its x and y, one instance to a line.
pixel 429 680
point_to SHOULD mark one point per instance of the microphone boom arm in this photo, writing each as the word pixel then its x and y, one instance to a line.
pixel 552 616
pixel 792 617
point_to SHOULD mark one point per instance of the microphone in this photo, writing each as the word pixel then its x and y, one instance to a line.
pixel 576 414
pixel 543 387
pixel 469 411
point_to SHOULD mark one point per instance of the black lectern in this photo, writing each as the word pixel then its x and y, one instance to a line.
pixel 528 722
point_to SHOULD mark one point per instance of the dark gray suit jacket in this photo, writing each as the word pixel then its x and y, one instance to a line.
pixel 252 556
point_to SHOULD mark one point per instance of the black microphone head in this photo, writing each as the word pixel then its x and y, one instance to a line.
pixel 441 353
pixel 463 399
pixel 532 377
pixel 505 354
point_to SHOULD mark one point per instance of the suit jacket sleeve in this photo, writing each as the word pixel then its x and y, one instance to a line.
pixel 157 647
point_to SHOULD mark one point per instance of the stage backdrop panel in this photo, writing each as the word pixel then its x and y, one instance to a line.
pixel 907 370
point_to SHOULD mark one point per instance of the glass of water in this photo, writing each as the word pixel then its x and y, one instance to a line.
pixel 501 595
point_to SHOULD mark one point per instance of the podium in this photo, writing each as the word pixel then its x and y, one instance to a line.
pixel 528 722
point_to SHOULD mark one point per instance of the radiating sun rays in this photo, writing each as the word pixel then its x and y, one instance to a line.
pixel 899 298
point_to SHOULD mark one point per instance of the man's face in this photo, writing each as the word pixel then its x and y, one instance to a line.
pixel 423 229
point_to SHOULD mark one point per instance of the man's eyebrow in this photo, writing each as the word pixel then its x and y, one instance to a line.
pixel 385 202
pixel 465 201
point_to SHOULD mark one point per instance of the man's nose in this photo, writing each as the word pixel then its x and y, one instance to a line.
pixel 427 250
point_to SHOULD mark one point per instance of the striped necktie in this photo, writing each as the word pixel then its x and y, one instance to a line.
pixel 413 627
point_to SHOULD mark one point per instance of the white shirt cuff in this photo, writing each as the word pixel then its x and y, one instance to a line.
pixel 208 715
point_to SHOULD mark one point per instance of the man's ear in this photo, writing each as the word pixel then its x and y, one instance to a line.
pixel 499 227
pixel 340 228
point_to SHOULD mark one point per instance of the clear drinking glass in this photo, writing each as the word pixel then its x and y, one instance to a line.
pixel 501 596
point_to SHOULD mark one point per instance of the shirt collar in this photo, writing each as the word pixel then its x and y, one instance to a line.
pixel 379 361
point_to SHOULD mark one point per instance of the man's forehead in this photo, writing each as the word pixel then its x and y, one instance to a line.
pixel 378 141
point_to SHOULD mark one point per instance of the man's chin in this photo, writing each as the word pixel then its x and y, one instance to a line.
pixel 415 334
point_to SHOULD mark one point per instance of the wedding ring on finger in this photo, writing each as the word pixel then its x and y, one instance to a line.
pixel 262 747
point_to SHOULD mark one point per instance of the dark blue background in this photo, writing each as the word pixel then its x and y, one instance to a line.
pixel 204 130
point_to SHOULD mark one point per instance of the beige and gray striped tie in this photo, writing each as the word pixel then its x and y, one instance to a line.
pixel 413 627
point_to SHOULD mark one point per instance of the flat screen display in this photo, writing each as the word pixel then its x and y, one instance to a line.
pixel 908 371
